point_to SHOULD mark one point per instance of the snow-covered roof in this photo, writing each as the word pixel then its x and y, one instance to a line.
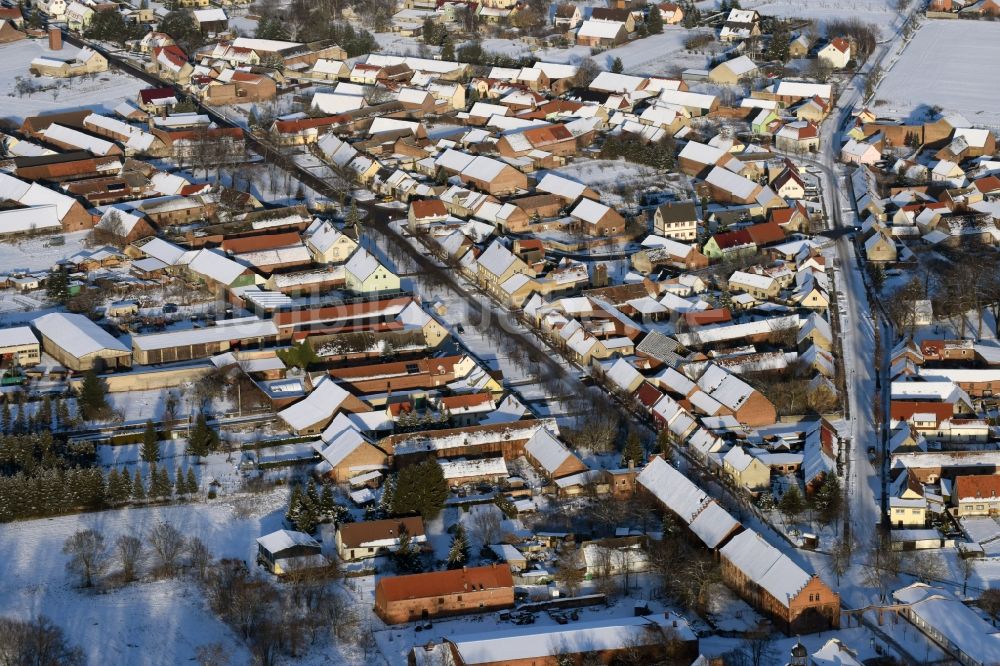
pixel 72 137
pixel 275 542
pixel 600 29
pixel 318 406
pixel 766 566
pixel 549 641
pixel 17 336
pixel 713 524
pixel 249 328
pixel 216 266
pixel 497 258
pixel 547 450
pixel 675 490
pixel 958 625
pixel 76 334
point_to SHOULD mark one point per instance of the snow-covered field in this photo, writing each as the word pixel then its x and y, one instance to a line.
pixel 102 92
pixel 972 90
pixel 878 12
pixel 160 622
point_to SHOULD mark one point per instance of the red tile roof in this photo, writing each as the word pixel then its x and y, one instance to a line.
pixel 441 583
pixel 979 486
pixel 424 208
pixel 766 233
pixel 152 94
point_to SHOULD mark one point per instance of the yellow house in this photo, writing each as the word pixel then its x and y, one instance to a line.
pixel 908 510
pixel 880 248
pixel 364 274
pixel 761 286
pixel 745 470
pixel 327 245
pixel 497 265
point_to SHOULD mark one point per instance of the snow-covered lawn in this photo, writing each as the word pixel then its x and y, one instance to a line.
pixel 972 90
pixel 102 92
pixel 160 622
pixel 38 253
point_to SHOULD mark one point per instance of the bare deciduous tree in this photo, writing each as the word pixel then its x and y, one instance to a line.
pixel 37 641
pixel 168 545
pixel 88 555
pixel 130 555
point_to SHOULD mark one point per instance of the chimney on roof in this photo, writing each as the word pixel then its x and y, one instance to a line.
pixel 55 39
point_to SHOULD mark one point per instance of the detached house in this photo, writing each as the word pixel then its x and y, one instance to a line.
pixel 740 24
pixel 601 34
pixel 567 16
pixel 836 54
pixel 364 274
pixel 598 219
pixel 371 538
pixel 497 265
pixel 676 220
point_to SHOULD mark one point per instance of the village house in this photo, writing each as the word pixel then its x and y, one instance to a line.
pixel 86 61
pixel 836 54
pixel 601 34
pixel 372 538
pixel 567 16
pixel 746 470
pixel 424 596
pixel 676 220
pixel 770 582
pixel 977 495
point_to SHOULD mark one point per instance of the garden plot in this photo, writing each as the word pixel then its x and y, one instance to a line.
pixel 100 92
pixel 971 89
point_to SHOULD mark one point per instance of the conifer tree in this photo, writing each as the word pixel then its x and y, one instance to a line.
pixel 44 415
pixel 138 487
pixel 654 22
pixel 150 444
pixel 633 450
pixel 792 504
pixel 458 554
pixel 180 486
pixel 202 439
pixel 93 396
pixel 617 66
pixel 326 504
pixel 126 481
pixel 294 505
pixel 308 517
pixel 62 414
pixel 420 489
pixel 163 485
pixel 114 487
pixel 388 494
pixel 192 482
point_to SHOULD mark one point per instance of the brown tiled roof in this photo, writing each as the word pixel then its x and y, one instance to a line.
pixel 841 44
pixel 353 535
pixel 979 486
pixel 439 365
pixel 423 208
pixel 261 242
pixel 768 232
pixel 729 239
pixel 440 583
pixel 543 136
pixel 292 126
pixel 465 400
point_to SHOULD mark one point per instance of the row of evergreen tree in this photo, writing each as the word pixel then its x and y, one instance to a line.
pixel 54 491
pixel 49 415
pixel 122 488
